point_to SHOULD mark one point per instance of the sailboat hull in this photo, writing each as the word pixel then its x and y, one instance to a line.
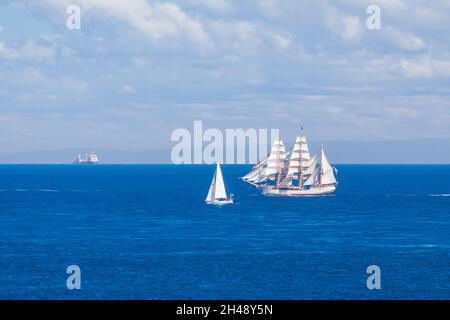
pixel 220 202
pixel 318 191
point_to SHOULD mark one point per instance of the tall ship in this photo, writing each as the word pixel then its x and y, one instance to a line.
pixel 91 158
pixel 293 173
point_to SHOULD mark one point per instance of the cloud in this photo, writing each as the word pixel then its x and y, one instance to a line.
pixel 270 8
pixel 351 29
pixel 1 28
pixel 7 53
pixel 347 27
pixel 402 112
pixel 407 41
pixel 281 41
pixel 221 6
pixel 126 88
pixel 244 60
pixel 30 51
pixel 425 67
pixel 158 21
pixel 395 5
pixel 235 35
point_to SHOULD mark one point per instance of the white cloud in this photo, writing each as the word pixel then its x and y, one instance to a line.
pixel 7 53
pixel 29 51
pixel 157 20
pixel 425 67
pixel 222 6
pixel 346 27
pixel 236 35
pixel 126 88
pixel 404 40
pixel 270 8
pixel 384 4
pixel 351 29
pixel 281 41
pixel 267 48
pixel 401 112
pixel 1 28
pixel 390 4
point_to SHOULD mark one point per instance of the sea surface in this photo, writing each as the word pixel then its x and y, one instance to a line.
pixel 145 232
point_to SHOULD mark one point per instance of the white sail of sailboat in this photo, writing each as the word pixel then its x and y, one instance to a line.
pixel 300 175
pixel 217 193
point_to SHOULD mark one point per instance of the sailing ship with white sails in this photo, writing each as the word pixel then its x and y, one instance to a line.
pixel 293 173
pixel 217 193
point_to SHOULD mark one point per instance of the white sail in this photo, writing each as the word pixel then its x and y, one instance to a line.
pixel 287 181
pixel 261 177
pixel 217 189
pixel 312 180
pixel 212 188
pixel 217 194
pixel 277 159
pixel 220 192
pixel 311 165
pixel 258 176
pixel 255 173
pixel 326 170
pixel 251 174
pixel 299 157
pixel 261 163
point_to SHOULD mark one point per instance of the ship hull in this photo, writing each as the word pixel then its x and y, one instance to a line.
pixel 220 202
pixel 319 191
pixel 83 163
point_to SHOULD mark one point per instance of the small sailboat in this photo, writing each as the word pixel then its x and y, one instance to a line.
pixel 217 192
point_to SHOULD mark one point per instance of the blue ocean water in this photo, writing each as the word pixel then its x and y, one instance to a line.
pixel 144 232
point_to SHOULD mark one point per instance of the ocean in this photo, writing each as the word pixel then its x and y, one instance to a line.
pixel 145 232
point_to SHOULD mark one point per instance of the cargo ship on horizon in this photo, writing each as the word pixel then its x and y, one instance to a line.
pixel 91 158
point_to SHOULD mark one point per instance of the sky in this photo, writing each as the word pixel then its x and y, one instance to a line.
pixel 137 70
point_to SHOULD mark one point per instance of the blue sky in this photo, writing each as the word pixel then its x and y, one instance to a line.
pixel 139 69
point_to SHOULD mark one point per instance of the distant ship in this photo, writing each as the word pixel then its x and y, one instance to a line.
pixel 293 173
pixel 217 192
pixel 91 158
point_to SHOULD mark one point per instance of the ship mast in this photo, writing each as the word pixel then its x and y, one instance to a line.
pixel 298 161
pixel 276 161
pixel 278 177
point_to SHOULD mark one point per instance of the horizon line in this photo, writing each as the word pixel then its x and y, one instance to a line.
pixel 208 164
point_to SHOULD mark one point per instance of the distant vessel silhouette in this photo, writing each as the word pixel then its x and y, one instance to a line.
pixel 91 158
